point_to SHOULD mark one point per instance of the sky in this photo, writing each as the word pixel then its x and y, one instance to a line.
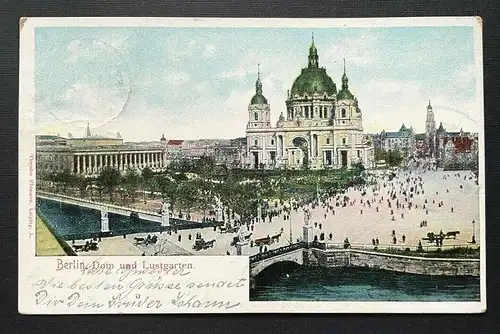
pixel 191 83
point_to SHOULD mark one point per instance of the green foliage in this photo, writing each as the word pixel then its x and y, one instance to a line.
pixel 391 157
pixel 108 180
pixel 131 182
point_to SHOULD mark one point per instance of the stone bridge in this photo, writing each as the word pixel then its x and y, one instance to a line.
pixel 333 256
pixel 106 208
pixel 291 253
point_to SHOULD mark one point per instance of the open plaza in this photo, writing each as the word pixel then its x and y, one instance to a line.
pixel 440 202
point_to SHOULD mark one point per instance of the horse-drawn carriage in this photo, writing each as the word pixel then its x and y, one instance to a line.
pixel 88 246
pixel 230 229
pixel 146 241
pixel 200 244
pixel 238 238
pixel 267 240
pixel 431 236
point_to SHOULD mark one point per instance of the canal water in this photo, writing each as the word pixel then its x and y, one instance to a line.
pixel 296 283
pixel 285 281
pixel 74 222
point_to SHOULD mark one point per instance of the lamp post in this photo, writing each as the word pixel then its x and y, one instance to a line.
pixel 473 241
pixel 288 209
pixel 317 191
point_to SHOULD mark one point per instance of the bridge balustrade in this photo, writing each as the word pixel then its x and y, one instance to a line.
pixel 277 251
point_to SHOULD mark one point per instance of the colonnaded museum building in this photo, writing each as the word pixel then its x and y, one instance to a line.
pixel 322 129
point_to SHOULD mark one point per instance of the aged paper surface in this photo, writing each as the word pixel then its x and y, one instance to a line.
pixel 186 165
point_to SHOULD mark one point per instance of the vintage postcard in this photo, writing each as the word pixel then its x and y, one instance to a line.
pixel 186 165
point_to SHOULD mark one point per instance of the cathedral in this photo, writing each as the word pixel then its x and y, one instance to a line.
pixel 322 128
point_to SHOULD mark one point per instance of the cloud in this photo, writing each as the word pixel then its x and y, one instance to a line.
pixel 359 51
pixel 465 75
pixel 239 72
pixel 178 85
pixel 210 51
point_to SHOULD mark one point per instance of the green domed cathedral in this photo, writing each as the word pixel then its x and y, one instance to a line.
pixel 322 128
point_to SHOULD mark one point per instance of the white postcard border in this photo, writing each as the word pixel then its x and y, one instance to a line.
pixel 27 166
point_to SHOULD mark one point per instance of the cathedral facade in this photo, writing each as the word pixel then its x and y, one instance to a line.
pixel 322 128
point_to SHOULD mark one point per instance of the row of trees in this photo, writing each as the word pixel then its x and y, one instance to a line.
pixel 392 158
pixel 190 186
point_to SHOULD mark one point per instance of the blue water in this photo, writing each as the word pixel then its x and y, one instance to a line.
pixel 358 284
pixel 73 222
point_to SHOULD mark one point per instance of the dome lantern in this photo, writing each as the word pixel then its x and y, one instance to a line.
pixel 312 79
pixel 313 55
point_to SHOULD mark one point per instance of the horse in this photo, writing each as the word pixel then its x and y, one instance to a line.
pixel 452 234
pixel 139 240
pixel 209 244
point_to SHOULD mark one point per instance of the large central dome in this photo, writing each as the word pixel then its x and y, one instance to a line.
pixel 313 78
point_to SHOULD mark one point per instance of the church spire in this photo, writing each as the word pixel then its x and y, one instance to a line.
pixel 345 81
pixel 258 83
pixel 313 54
pixel 87 133
pixel 429 107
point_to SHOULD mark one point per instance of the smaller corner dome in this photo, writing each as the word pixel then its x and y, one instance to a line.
pixel 345 94
pixel 258 99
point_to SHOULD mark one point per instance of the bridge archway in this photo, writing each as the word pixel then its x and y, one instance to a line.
pixel 293 256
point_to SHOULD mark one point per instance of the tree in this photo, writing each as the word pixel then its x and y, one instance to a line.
pixel 168 188
pixel 131 182
pixel 188 196
pixel 108 180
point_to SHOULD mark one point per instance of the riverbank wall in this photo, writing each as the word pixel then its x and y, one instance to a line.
pixel 61 242
pixel 334 258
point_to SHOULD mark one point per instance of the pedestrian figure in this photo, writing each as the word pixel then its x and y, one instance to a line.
pixel 179 238
pixel 347 244
pixel 426 212
pixel 373 242
pixel 404 238
pixel 451 209
pixel 376 241
pixel 320 226
pixel 394 240
pixel 402 215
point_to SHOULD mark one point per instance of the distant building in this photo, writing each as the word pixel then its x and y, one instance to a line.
pixel 456 148
pixel 430 132
pixel 322 127
pixel 88 155
pixel 402 141
pixel 228 152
